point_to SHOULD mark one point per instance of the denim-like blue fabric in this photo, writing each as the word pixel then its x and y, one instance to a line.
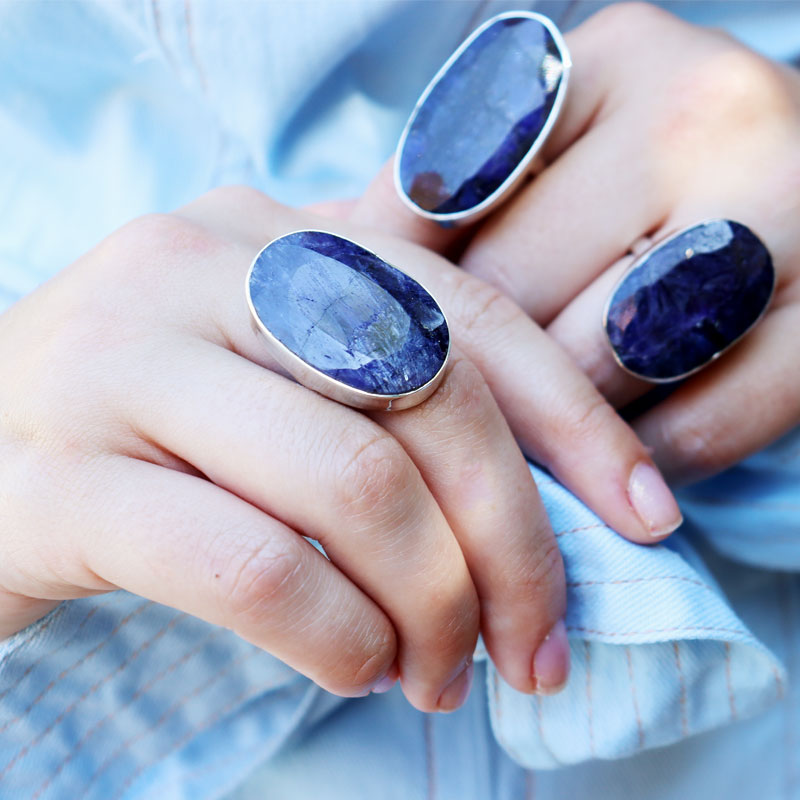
pixel 684 655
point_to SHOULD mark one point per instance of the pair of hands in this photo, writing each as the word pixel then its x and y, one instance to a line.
pixel 149 443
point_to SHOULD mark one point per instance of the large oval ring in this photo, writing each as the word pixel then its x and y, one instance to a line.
pixel 476 130
pixel 347 324
pixel 687 299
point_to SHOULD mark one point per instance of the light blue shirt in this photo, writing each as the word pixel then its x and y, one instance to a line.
pixel 685 655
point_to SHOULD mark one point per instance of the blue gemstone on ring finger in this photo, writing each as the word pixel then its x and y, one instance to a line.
pixel 345 322
pixel 482 119
pixel 688 299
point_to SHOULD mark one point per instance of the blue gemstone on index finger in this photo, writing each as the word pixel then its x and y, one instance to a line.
pixel 348 313
pixel 482 117
pixel 688 299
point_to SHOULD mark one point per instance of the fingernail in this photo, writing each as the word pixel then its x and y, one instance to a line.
pixel 384 684
pixel 387 681
pixel 457 690
pixel 551 661
pixel 653 501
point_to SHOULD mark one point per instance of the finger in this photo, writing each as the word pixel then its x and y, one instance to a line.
pixel 475 470
pixel 578 328
pixel 335 209
pixel 381 208
pixel 734 407
pixel 553 409
pixel 332 474
pixel 462 428
pixel 552 226
pixel 608 182
pixel 182 541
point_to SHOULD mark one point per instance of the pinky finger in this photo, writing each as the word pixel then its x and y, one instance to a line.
pixel 185 542
pixel 731 409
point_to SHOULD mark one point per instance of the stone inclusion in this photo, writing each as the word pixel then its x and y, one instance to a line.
pixel 482 117
pixel 348 313
pixel 689 299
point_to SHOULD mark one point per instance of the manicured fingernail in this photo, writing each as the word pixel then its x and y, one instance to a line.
pixel 457 690
pixel 653 501
pixel 551 661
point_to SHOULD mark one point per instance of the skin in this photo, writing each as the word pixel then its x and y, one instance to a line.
pixel 150 444
pixel 665 124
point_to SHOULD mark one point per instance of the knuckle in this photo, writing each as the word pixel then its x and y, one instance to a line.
pixel 584 422
pixel 454 631
pixel 143 245
pixel 374 473
pixel 732 89
pixel 694 445
pixel 541 573
pixel 364 664
pixel 481 308
pixel 463 394
pixel 269 577
pixel 238 195
pixel 735 75
pixel 152 228
pixel 627 19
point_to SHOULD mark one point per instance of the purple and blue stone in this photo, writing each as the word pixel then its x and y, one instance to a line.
pixel 346 323
pixel 482 119
pixel 688 299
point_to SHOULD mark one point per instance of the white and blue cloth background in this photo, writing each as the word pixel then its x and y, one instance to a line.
pixel 686 656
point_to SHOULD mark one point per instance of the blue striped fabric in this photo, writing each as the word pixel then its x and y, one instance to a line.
pixel 684 655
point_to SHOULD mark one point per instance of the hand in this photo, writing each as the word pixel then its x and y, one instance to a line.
pixel 149 443
pixel 665 124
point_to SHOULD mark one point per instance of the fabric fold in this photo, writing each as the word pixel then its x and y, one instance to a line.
pixel 658 654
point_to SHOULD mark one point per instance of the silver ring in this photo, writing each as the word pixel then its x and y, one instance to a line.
pixel 347 324
pixel 476 130
pixel 687 299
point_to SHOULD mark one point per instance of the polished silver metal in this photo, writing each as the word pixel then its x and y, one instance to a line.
pixel 641 256
pixel 528 166
pixel 312 378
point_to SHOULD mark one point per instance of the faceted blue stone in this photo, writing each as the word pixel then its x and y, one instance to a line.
pixel 348 313
pixel 689 299
pixel 482 116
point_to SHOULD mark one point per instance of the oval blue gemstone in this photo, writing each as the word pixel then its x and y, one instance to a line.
pixel 347 313
pixel 688 299
pixel 483 116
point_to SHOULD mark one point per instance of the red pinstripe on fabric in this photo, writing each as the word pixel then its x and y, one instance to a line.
pixel 623 581
pixel 238 700
pixel 430 757
pixel 634 699
pixel 91 690
pixel 56 615
pixel 596 526
pixel 682 684
pixel 676 629
pixel 168 714
pixel 70 668
pixel 133 698
pixel 589 710
pixel 729 682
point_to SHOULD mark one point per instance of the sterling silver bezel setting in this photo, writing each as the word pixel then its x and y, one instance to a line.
pixel 528 166
pixel 642 256
pixel 316 380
